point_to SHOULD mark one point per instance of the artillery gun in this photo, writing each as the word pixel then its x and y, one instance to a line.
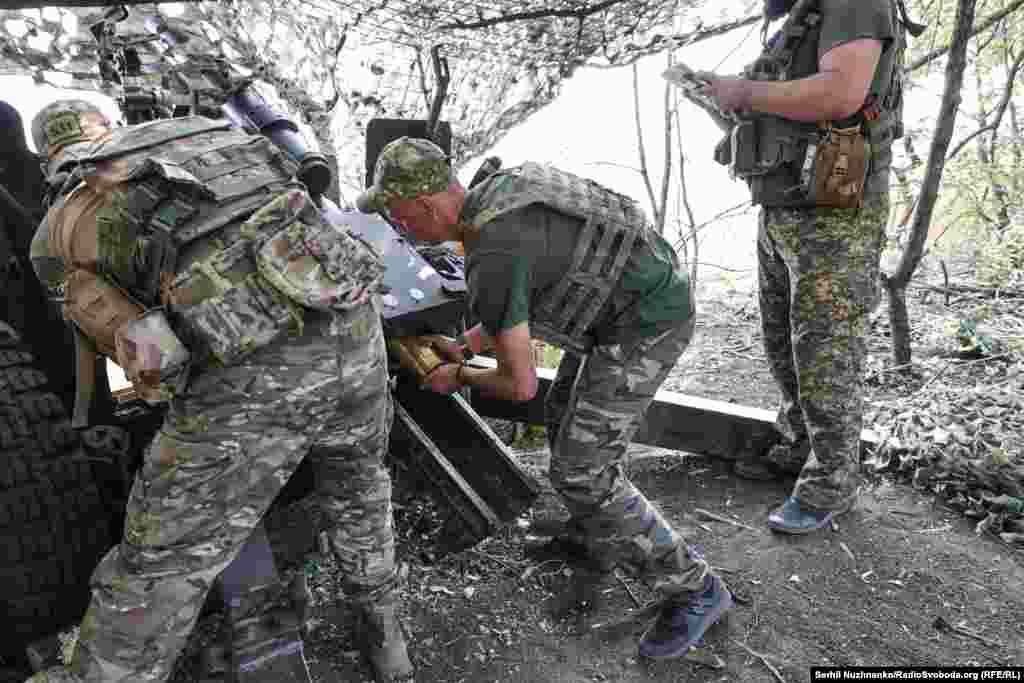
pixel 63 490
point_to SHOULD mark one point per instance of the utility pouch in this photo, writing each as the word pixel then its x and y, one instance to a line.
pixel 310 261
pixel 723 150
pixel 151 355
pixel 98 308
pixel 743 150
pixel 226 308
pixel 836 168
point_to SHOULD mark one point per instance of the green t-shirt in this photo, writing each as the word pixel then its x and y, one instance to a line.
pixel 522 254
pixel 843 21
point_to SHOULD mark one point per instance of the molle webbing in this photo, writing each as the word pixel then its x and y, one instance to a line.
pixel 612 225
pixel 171 189
pixel 776 62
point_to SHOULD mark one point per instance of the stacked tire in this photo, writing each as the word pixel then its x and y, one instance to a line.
pixel 55 523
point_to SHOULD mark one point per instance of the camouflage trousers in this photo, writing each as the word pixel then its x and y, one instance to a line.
pixel 592 411
pixel 818 271
pixel 228 445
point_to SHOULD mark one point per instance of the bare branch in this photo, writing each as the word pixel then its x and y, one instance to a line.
pixel 659 42
pixel 1000 109
pixel 640 144
pixel 666 175
pixel 533 14
pixel 981 26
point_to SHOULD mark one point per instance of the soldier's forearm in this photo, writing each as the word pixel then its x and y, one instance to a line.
pixel 816 98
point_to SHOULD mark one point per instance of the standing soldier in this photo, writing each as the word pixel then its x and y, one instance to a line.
pixel 188 237
pixel 563 259
pixel 817 114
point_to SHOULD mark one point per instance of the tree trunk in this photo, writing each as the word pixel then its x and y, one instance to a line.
pixel 944 123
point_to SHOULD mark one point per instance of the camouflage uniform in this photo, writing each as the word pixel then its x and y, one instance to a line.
pixel 818 266
pixel 592 412
pixel 594 407
pixel 233 435
pixel 818 272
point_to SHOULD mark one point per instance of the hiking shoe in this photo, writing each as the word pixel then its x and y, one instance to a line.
pixel 793 518
pixel 680 625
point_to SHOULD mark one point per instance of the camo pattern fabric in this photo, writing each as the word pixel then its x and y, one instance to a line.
pixel 406 168
pixel 229 443
pixel 592 412
pixel 310 261
pixel 818 271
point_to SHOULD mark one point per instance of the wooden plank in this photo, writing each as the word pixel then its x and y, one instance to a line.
pixel 675 421
pixel 471 448
pixel 412 444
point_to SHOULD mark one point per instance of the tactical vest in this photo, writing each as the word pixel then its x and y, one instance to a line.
pixel 773 149
pixel 612 225
pixel 151 193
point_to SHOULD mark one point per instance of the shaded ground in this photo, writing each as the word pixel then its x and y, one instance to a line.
pixel 871 592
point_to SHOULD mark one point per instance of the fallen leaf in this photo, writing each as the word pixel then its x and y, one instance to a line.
pixel 704 658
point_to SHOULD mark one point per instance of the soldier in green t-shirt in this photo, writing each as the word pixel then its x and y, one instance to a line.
pixel 563 259
pixel 816 116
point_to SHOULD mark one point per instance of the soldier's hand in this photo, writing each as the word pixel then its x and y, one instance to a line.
pixel 731 94
pixel 449 349
pixel 444 379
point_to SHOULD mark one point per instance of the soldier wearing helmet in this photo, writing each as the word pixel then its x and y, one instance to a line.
pixel 563 259
pixel 182 249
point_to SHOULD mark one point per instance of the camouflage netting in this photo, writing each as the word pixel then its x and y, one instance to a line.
pixel 341 63
pixel 963 443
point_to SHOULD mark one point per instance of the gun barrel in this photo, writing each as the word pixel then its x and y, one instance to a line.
pixel 247 105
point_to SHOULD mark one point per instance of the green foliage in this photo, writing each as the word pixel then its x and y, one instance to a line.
pixel 548 356
pixel 972 341
pixel 1001 262
pixel 532 438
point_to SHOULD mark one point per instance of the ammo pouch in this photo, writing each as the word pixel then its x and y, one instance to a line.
pixel 225 308
pixel 310 261
pixel 761 145
pixel 835 168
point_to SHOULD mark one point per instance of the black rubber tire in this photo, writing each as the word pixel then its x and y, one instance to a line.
pixel 55 518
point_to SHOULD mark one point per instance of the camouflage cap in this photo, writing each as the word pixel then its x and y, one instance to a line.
pixel 406 168
pixel 66 122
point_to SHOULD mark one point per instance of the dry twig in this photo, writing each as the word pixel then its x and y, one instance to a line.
pixel 764 660
pixel 719 518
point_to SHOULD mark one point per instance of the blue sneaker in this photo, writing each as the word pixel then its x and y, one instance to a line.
pixel 793 518
pixel 681 625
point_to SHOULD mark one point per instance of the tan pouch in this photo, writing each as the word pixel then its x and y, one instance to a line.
pixel 839 169
pixel 98 308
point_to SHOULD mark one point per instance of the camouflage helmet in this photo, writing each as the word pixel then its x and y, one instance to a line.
pixel 66 122
pixel 406 168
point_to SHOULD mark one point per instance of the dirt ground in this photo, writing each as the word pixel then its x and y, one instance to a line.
pixel 901 580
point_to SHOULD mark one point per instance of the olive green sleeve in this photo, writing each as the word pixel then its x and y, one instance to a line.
pixel 49 268
pixel 843 21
